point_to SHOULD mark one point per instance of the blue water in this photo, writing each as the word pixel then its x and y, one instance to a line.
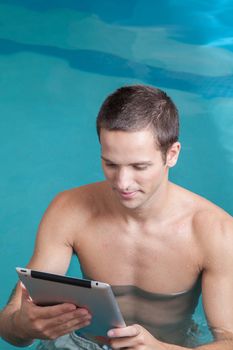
pixel 58 61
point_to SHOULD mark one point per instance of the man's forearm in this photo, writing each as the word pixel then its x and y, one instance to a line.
pixel 8 327
pixel 218 345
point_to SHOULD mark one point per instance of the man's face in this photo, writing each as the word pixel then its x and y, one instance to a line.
pixel 133 166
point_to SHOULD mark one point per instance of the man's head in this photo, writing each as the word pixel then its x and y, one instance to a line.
pixel 139 107
pixel 138 131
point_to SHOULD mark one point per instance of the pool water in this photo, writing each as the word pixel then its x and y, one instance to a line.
pixel 59 60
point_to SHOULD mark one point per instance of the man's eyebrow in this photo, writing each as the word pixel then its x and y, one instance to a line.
pixel 143 162
pixel 107 160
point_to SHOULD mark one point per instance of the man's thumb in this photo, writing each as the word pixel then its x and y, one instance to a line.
pixel 25 294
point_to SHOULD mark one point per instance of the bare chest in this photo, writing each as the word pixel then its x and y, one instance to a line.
pixel 163 262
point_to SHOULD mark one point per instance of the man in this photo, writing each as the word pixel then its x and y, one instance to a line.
pixel 156 243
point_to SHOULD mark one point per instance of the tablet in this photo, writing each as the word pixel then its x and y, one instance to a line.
pixel 48 289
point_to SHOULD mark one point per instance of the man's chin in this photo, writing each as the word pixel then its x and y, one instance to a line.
pixel 130 204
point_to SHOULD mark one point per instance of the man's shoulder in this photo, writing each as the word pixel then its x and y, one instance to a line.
pixel 72 209
pixel 212 227
pixel 82 198
pixel 213 230
pixel 208 215
pixel 205 215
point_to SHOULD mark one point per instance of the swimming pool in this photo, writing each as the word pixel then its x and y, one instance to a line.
pixel 58 61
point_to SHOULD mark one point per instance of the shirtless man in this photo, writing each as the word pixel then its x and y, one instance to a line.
pixel 158 244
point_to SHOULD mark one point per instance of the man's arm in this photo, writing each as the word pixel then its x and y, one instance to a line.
pixel 21 320
pixel 217 283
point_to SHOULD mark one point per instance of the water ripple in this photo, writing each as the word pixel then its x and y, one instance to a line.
pixel 112 65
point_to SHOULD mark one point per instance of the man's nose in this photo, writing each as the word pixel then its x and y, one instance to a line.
pixel 123 179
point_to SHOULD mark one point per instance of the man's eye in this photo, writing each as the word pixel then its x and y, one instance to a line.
pixel 110 165
pixel 140 167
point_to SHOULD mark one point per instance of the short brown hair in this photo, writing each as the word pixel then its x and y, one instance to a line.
pixel 136 107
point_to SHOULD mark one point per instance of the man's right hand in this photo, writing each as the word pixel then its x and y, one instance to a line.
pixel 48 322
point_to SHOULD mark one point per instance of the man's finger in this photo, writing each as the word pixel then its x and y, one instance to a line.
pixel 65 318
pixel 59 310
pixel 70 326
pixel 130 331
pixel 122 343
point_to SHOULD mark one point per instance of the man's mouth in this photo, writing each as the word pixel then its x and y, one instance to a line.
pixel 127 194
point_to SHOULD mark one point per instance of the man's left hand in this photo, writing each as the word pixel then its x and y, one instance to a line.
pixel 133 337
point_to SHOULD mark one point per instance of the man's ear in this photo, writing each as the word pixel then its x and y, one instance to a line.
pixel 173 154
